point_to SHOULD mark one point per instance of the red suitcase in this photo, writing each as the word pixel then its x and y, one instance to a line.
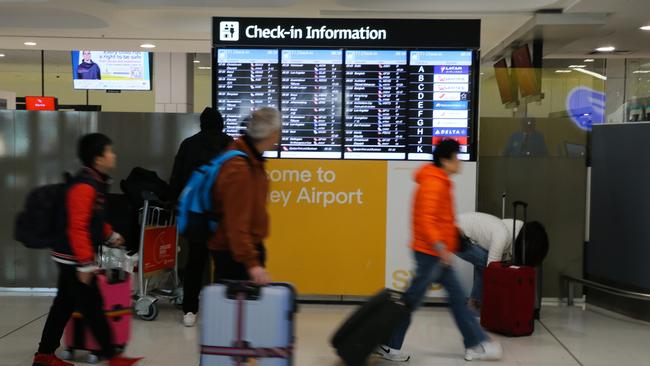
pixel 508 305
pixel 118 308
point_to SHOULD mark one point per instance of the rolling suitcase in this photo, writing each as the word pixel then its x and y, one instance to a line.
pixel 243 324
pixel 508 305
pixel 368 327
pixel 116 292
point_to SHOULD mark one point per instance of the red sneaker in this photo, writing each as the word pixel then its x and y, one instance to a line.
pixel 123 361
pixel 41 359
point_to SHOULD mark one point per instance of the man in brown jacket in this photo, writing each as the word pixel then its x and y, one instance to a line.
pixel 240 196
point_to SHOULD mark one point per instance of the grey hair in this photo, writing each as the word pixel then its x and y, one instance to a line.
pixel 263 122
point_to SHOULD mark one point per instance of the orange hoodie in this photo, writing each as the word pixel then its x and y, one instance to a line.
pixel 433 211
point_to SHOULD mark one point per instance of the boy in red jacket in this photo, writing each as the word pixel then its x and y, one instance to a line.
pixel 84 230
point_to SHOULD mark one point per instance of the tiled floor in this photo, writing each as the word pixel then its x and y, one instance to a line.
pixel 567 337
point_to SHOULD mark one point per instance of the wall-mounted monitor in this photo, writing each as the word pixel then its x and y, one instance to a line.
pixel 111 70
pixel 507 87
pixel 351 89
pixel 41 103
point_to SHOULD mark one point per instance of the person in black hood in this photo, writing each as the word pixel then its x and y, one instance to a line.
pixel 195 151
pixel 87 69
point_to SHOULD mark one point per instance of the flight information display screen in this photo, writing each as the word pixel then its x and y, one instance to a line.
pixel 398 103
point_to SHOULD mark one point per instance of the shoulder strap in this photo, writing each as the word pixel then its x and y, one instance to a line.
pixel 214 167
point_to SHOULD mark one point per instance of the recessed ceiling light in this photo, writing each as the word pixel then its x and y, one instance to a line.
pixel 589 60
pixel 562 71
pixel 204 67
pixel 30 43
pixel 2 55
pixel 645 28
pixel 641 72
pixel 606 49
pixel 148 45
pixel 577 66
pixel 197 61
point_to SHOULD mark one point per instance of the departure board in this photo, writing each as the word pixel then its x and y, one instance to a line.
pixel 247 79
pixel 312 87
pixel 376 102
pixel 439 101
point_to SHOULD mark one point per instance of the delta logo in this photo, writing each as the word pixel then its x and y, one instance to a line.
pixel 450 132
pixel 451 70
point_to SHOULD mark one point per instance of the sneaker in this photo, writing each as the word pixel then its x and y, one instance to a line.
pixel 189 320
pixel 123 361
pixel 486 351
pixel 42 359
pixel 391 354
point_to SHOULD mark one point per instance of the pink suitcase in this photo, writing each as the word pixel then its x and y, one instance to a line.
pixel 118 307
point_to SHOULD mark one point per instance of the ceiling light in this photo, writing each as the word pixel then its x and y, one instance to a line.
pixel 562 71
pixel 591 73
pixel 204 67
pixel 2 55
pixel 641 72
pixel 645 28
pixel 577 66
pixel 148 45
pixel 30 43
pixel 606 49
pixel 589 60
pixel 196 61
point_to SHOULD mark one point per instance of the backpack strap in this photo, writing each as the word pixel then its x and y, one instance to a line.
pixel 205 198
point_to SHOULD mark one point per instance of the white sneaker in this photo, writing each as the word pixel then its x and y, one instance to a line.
pixel 391 354
pixel 486 351
pixel 189 320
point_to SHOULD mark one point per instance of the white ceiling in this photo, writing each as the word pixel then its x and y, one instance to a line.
pixel 184 25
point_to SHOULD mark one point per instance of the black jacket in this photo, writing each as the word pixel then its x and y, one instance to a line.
pixel 194 152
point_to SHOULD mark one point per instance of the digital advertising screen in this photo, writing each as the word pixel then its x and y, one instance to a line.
pixel 351 89
pixel 111 70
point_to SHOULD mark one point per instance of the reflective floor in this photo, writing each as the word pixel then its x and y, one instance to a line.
pixel 566 336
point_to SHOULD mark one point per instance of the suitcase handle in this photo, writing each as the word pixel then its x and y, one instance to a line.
pixel 515 205
pixel 250 290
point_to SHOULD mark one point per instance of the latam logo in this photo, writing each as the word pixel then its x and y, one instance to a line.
pixel 462 105
pixel 450 132
pixel 455 70
pixel 450 78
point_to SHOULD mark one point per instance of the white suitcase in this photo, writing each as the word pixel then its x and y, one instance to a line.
pixel 243 325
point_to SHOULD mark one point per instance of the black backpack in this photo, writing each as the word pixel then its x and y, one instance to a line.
pixel 141 180
pixel 37 226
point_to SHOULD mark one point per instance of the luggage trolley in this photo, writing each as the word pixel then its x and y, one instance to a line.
pixel 158 255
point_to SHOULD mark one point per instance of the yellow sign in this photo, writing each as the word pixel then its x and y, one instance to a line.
pixel 328 225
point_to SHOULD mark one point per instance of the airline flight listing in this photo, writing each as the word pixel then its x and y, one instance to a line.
pixel 376 101
pixel 312 88
pixel 352 104
pixel 247 79
pixel 439 101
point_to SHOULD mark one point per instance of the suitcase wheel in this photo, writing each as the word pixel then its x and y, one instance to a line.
pixel 152 313
pixel 67 354
pixel 92 358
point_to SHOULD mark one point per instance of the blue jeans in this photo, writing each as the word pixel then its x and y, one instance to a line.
pixel 429 270
pixel 478 256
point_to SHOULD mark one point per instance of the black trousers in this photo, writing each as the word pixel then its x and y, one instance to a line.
pixel 227 268
pixel 74 295
pixel 193 275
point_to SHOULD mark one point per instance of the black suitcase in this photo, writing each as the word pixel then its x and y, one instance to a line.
pixel 369 326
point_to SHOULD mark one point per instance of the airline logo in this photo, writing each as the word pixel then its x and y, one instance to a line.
pixel 450 132
pixel 462 105
pixel 451 78
pixel 450 87
pixel 450 123
pixel 441 113
pixel 229 31
pixel 456 70
pixel 446 96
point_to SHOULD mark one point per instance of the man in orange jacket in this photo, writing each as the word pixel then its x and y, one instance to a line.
pixel 435 238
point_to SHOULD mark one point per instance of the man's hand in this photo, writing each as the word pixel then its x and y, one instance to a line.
pixel 259 275
pixel 445 255
pixel 85 277
pixel 117 240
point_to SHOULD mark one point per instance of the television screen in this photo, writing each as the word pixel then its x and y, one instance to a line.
pixel 114 70
pixel 40 103
pixel 507 88
pixel 526 73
